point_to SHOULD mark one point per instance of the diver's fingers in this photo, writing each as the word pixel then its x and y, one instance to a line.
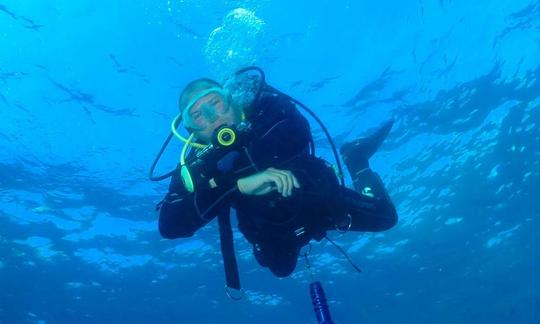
pixel 287 176
pixel 287 184
pixel 290 182
pixel 295 182
pixel 277 180
pixel 288 179
pixel 282 175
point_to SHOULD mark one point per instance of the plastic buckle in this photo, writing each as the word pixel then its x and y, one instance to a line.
pixel 228 291
pixel 341 230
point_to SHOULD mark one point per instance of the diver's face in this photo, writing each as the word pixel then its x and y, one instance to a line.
pixel 208 114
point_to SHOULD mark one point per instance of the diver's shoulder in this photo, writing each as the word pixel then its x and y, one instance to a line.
pixel 274 104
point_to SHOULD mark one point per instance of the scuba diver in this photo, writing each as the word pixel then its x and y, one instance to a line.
pixel 250 149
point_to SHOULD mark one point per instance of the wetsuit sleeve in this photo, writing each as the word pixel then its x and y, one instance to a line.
pixel 182 213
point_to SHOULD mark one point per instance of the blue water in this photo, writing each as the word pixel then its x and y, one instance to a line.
pixel 87 92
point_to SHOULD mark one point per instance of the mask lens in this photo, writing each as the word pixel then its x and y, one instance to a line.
pixel 209 112
pixel 205 110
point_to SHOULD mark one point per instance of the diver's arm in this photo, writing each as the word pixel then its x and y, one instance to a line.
pixel 182 213
pixel 283 181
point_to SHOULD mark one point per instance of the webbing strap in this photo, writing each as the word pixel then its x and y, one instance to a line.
pixel 227 250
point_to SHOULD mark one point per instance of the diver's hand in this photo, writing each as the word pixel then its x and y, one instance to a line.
pixel 264 182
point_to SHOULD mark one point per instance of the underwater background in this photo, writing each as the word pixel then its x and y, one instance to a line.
pixel 87 93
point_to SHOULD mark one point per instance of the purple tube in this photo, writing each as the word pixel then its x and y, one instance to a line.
pixel 319 303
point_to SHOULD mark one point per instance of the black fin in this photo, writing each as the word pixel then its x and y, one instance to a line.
pixel 357 153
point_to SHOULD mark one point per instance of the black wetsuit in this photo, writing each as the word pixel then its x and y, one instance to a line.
pixel 277 226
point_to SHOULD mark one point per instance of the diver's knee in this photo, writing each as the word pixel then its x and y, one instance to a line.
pixel 282 272
pixel 168 231
pixel 284 265
pixel 390 219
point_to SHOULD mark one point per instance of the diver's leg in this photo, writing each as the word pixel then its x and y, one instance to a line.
pixel 259 256
pixel 370 208
pixel 356 154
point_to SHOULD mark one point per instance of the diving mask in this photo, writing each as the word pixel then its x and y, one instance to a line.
pixel 205 108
